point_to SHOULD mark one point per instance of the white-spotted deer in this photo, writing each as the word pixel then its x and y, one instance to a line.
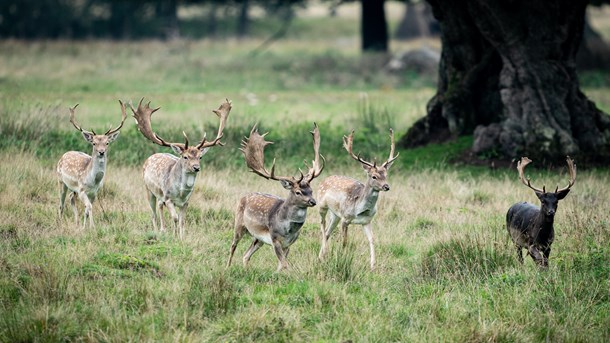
pixel 350 201
pixel 170 179
pixel 531 227
pixel 82 174
pixel 268 218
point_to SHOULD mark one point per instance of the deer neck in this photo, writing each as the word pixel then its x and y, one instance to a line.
pixel 288 211
pixel 367 197
pixel 182 177
pixel 542 227
pixel 96 169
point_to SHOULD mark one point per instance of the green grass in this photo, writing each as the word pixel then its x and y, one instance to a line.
pixel 445 268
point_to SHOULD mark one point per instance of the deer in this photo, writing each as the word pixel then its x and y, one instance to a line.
pixel 267 218
pixel 82 174
pixel 350 201
pixel 530 226
pixel 170 179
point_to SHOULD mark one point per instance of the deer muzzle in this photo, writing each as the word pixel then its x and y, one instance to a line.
pixel 386 187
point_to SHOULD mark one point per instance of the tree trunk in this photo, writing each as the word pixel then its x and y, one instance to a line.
pixel 507 75
pixel 168 11
pixel 243 20
pixel 374 29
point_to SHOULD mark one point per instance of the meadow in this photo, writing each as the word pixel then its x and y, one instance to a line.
pixel 446 270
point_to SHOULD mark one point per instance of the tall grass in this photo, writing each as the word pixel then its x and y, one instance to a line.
pixel 446 270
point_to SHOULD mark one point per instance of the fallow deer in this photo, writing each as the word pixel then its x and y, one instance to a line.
pixel 351 201
pixel 82 174
pixel 531 227
pixel 170 179
pixel 270 219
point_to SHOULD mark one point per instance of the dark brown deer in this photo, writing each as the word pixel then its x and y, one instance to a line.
pixel 531 227
pixel 268 218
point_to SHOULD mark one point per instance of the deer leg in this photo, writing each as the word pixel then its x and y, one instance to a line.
pixel 74 208
pixel 536 255
pixel 368 231
pixel 160 205
pixel 63 190
pixel 279 252
pixel 519 254
pixel 152 201
pixel 546 252
pixel 344 226
pixel 251 250
pixel 239 233
pixel 172 211
pixel 88 209
pixel 181 216
pixel 327 230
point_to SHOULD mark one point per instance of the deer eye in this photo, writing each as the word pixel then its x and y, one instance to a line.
pixel 298 193
pixel 374 177
pixel 186 158
pixel 106 143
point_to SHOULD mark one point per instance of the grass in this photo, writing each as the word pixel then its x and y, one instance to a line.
pixel 445 268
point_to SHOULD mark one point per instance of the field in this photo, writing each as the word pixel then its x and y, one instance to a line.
pixel 446 270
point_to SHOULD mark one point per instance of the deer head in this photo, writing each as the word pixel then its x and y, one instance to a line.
pixel 99 142
pixel 548 200
pixel 377 175
pixel 190 155
pixel 301 193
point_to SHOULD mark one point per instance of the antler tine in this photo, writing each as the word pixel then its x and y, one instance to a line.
pixel 572 171
pixel 223 113
pixel 316 169
pixel 73 120
pixel 520 167
pixel 186 140
pixel 143 120
pixel 253 148
pixel 348 142
pixel 391 159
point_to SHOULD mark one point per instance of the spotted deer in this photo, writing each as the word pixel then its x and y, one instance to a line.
pixel 170 179
pixel 270 219
pixel 531 227
pixel 350 201
pixel 83 175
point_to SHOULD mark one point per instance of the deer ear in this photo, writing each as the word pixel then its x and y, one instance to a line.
pixel 204 150
pixel 177 149
pixel 366 167
pixel 539 195
pixel 562 194
pixel 286 184
pixel 88 136
pixel 113 136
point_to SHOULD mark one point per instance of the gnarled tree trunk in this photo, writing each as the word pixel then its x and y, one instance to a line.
pixel 507 75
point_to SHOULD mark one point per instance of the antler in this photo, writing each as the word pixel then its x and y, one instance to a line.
pixel 223 113
pixel 391 159
pixel 520 166
pixel 572 171
pixel 143 118
pixel 73 121
pixel 348 142
pixel 123 117
pixel 316 169
pixel 253 148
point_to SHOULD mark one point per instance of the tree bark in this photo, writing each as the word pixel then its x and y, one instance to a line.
pixel 507 75
pixel 374 28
